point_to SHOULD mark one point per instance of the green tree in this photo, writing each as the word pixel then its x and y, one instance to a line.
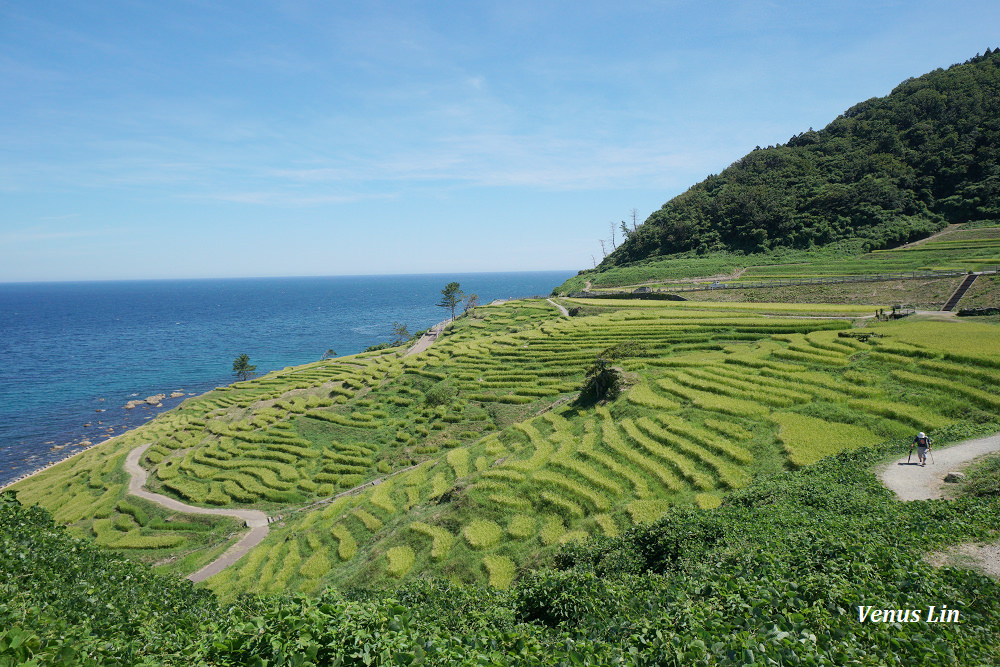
pixel 604 382
pixel 400 333
pixel 242 368
pixel 937 163
pixel 471 302
pixel 441 393
pixel 451 296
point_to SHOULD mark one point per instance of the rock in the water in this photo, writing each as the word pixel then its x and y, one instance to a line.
pixel 153 400
pixel 954 477
pixel 176 394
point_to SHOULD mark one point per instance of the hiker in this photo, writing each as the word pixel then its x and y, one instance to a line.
pixel 923 444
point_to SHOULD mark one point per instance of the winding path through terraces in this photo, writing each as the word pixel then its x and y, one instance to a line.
pixel 255 520
pixel 909 481
pixel 562 309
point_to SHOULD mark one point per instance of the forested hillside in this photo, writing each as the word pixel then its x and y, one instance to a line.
pixel 887 171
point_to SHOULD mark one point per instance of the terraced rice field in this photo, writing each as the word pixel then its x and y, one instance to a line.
pixel 471 459
pixel 955 250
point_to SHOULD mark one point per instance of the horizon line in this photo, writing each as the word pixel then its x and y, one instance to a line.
pixel 289 277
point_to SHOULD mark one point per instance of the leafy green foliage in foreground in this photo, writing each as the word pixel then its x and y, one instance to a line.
pixel 76 604
pixel 773 576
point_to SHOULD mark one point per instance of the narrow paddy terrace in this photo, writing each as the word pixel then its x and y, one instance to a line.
pixel 472 460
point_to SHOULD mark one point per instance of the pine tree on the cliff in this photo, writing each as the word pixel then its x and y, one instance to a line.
pixel 451 296
pixel 242 368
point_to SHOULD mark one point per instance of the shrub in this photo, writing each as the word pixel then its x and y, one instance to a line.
pixel 603 382
pixel 441 393
pixel 556 598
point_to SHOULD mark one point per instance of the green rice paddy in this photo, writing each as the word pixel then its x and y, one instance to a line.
pixel 956 249
pixel 482 463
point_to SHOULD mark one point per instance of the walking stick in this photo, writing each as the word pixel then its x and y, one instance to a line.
pixel 909 454
pixel 932 455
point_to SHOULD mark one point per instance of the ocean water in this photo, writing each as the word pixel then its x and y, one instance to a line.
pixel 72 354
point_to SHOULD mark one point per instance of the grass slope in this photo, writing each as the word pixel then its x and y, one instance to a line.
pixel 775 575
pixel 484 465
pixel 968 247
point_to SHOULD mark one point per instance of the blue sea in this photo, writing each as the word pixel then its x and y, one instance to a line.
pixel 73 354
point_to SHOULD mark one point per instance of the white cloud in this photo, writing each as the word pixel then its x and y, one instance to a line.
pixel 37 236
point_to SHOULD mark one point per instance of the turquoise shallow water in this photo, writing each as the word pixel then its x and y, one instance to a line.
pixel 72 354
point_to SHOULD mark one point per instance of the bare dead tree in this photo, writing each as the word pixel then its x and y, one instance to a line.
pixel 611 228
pixel 635 217
pixel 603 249
pixel 594 260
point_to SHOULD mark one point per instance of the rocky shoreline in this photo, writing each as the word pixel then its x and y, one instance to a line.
pixel 155 400
pixel 82 445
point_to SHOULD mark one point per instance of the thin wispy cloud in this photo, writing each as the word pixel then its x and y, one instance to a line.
pixel 318 123
pixel 289 198
pixel 38 235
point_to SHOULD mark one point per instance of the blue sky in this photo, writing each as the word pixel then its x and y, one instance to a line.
pixel 212 138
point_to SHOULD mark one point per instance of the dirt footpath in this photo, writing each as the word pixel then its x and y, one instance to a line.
pixel 562 309
pixel 255 520
pixel 909 481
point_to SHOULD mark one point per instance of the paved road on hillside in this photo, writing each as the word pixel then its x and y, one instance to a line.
pixel 909 481
pixel 562 309
pixel 255 520
pixel 427 339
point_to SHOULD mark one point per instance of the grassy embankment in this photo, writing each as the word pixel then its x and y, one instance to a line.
pixel 721 392
pixel 772 576
pixel 958 249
